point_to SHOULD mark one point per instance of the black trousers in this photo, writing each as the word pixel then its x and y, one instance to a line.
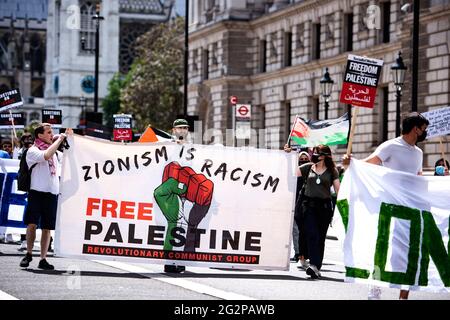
pixel 299 219
pixel 316 222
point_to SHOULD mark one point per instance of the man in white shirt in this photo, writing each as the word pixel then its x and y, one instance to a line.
pixel 44 190
pixel 400 154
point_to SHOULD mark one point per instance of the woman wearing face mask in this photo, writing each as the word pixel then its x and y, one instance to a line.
pixel 319 176
pixel 441 168
pixel 298 233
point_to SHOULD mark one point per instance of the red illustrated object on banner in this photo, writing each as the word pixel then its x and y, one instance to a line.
pixel 123 134
pixel 358 95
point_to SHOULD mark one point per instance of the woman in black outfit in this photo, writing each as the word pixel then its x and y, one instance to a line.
pixel 319 176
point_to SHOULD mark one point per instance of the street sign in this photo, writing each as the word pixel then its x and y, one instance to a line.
pixel 52 116
pixel 122 127
pixel 360 81
pixel 10 99
pixel 243 112
pixel 233 100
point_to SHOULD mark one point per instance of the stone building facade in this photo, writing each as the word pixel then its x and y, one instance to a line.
pixel 23 26
pixel 70 65
pixel 273 54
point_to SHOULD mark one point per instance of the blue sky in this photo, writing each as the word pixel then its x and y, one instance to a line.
pixel 180 7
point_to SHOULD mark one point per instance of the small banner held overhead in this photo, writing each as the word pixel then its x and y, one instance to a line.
pixel 439 122
pixel 122 127
pixel 10 99
pixel 360 81
pixel 52 116
pixel 10 120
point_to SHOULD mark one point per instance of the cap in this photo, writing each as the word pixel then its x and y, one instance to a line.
pixel 180 123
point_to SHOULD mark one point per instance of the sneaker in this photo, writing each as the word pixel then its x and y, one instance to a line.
pixel 26 260
pixel 23 246
pixel 169 268
pixel 313 272
pixel 374 293
pixel 44 265
pixel 303 264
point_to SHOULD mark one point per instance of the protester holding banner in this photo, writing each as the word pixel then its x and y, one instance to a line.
pixel 316 204
pixel 180 130
pixel 44 190
pixel 298 233
pixel 400 154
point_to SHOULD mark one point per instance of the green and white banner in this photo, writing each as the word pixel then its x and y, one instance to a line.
pixel 169 203
pixel 397 228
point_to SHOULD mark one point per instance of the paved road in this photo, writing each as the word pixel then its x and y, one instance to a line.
pixel 83 279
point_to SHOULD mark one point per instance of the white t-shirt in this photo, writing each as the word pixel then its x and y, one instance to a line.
pixel 397 154
pixel 41 178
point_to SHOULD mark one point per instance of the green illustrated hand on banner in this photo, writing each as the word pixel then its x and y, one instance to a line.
pixel 167 195
pixel 180 184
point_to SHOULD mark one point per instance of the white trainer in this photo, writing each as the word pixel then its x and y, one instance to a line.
pixel 303 264
pixel 374 293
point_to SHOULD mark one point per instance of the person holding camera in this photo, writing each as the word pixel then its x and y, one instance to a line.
pixel 44 190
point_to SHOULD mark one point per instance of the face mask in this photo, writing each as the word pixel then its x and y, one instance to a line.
pixel 422 136
pixel 440 170
pixel 315 158
pixel 300 162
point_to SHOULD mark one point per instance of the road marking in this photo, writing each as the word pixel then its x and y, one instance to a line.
pixel 5 296
pixel 189 285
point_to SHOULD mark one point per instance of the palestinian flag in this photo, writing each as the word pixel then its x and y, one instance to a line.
pixel 327 132
pixel 154 135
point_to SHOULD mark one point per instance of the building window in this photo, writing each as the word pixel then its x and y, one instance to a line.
pixel 383 116
pixel 287 119
pixel 348 32
pixel 287 49
pixel 315 41
pixel 57 27
pixel 386 21
pixel 87 26
pixel 262 55
pixel 315 108
pixel 205 65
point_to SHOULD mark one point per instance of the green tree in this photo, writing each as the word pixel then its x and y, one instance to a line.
pixel 111 103
pixel 152 89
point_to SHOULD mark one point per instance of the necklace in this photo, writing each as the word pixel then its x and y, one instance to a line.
pixel 318 176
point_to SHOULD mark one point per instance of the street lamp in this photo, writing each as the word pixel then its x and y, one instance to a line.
pixel 326 84
pixel 398 73
pixel 97 18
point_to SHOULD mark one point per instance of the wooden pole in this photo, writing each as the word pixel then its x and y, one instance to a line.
pixel 442 152
pixel 352 131
pixel 290 134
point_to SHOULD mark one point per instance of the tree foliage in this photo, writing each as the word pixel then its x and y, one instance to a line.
pixel 152 88
pixel 111 103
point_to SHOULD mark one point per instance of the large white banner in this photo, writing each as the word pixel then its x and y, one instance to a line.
pixel 397 228
pixel 169 203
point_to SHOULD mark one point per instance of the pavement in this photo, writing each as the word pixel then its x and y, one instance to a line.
pixel 77 279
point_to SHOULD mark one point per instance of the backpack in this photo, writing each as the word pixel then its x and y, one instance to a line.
pixel 24 173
